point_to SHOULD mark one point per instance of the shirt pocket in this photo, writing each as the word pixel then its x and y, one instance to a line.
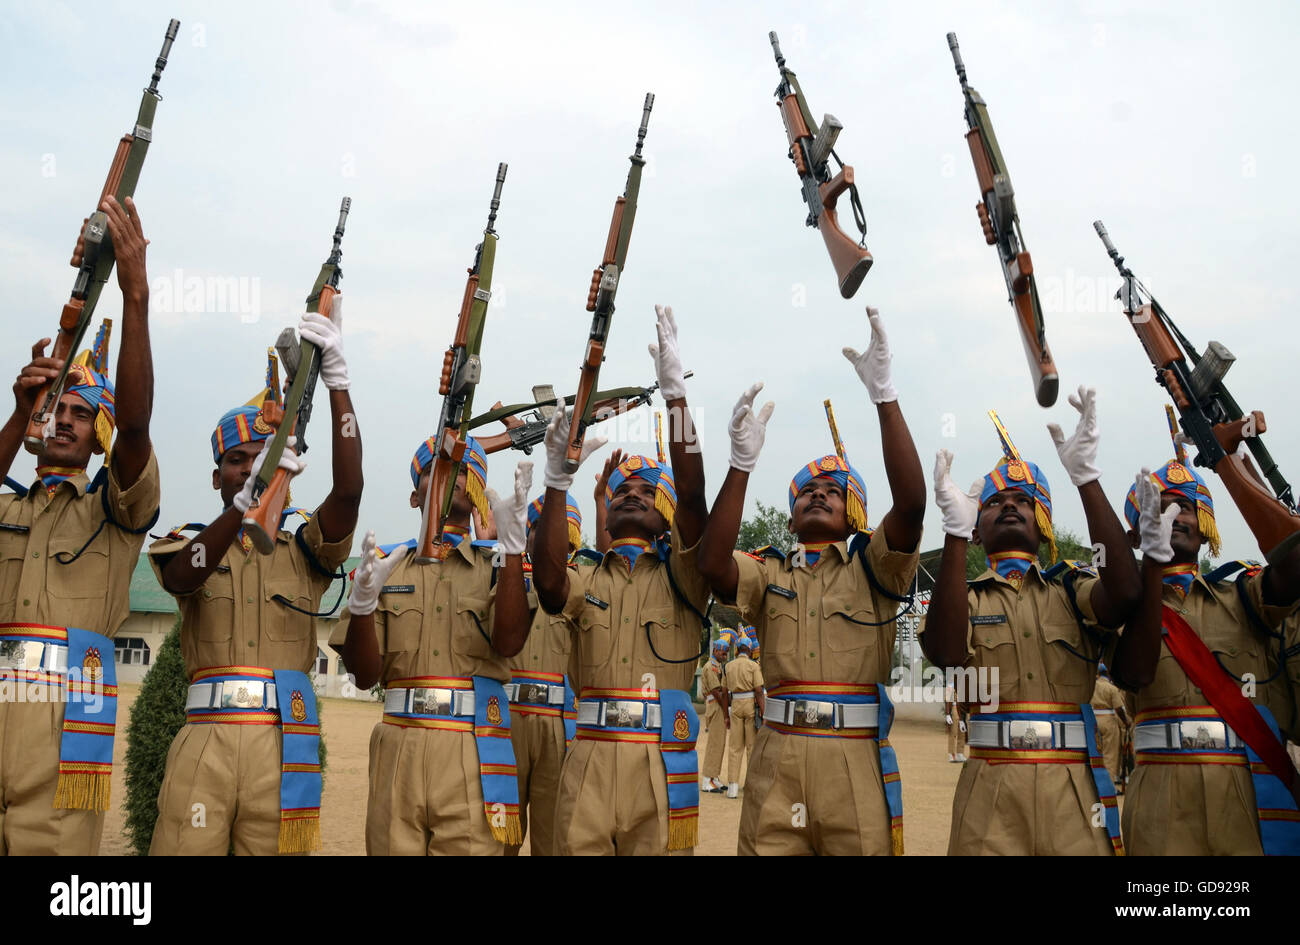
pixel 995 648
pixel 780 624
pixel 671 640
pixel 472 638
pixel 13 548
pixel 1066 659
pixel 216 608
pixel 559 640
pixel 595 638
pixel 285 599
pixel 401 623
pixel 85 577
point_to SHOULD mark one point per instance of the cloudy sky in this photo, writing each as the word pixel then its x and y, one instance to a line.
pixel 1172 123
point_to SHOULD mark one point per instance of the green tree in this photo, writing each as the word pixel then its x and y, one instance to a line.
pixel 767 527
pixel 156 717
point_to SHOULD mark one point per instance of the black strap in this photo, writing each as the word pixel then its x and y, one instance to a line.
pixel 101 479
pixel 339 575
pixel 664 659
pixel 1067 580
pixel 860 549
pixel 705 623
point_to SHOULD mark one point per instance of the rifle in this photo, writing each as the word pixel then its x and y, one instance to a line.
pixel 1001 223
pixel 526 433
pixel 93 255
pixel 301 361
pixel 810 147
pixel 600 297
pixel 1210 416
pixel 461 371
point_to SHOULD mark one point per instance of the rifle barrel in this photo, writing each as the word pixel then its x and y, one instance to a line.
pixel 645 121
pixel 496 197
pixel 776 48
pixel 161 62
pixel 956 58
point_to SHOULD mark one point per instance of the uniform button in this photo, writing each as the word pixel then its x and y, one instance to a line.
pixel 812 613
pixel 1232 651
pixel 988 639
pixel 438 608
pixel 250 600
pixel 812 655
pixel 535 659
pixel 625 659
pixel 397 609
pixel 1026 634
pixel 27 603
pixel 1029 675
pixel 36 554
pixel 772 611
pixel 585 621
pixel 435 652
pixel 629 620
pixel 207 593
pixel 252 643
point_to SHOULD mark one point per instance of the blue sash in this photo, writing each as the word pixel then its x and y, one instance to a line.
pixel 1101 777
pixel 496 760
pixel 1279 820
pixel 569 713
pixel 678 732
pixel 89 723
pixel 300 775
pixel 889 774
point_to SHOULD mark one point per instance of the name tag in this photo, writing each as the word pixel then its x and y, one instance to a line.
pixel 986 619
pixel 397 589
pixel 20 529
pixel 223 568
pixel 787 593
pixel 592 599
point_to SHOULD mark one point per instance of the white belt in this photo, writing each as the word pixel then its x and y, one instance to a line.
pixel 1026 734
pixel 232 694
pixel 1103 711
pixel 708 699
pixel 742 695
pixel 535 693
pixel 423 701
pixel 816 713
pixel 33 656
pixel 619 713
pixel 1186 735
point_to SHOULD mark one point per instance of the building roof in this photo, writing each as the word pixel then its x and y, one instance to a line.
pixel 148 597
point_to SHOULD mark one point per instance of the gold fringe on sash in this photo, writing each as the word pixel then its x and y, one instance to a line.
pixel 857 512
pixel 896 838
pixel 683 832
pixel 575 535
pixel 510 832
pixel 299 833
pixel 1209 528
pixel 82 791
pixel 474 489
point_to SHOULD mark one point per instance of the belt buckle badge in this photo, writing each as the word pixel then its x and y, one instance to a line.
pixel 1202 734
pixel 1031 734
pixel 810 713
pixel 531 692
pixel 431 702
pixel 21 654
pixel 619 714
pixel 242 694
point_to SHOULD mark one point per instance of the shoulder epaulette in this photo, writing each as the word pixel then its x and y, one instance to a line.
pixel 767 551
pixel 383 551
pixel 485 545
pixel 17 486
pixel 588 554
pixel 1061 568
pixel 176 532
pixel 1229 570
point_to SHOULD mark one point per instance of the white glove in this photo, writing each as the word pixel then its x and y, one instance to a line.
pixel 1079 453
pixel 557 447
pixel 960 509
pixel 947 720
pixel 1155 528
pixel 873 366
pixel 511 513
pixel 961 726
pixel 668 360
pixel 327 334
pixel 748 429
pixel 372 574
pixel 288 460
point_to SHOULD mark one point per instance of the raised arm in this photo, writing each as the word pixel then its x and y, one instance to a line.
pixel 748 431
pixel 946 624
pixel 683 440
pixel 360 651
pixel 1117 593
pixel 602 480
pixel 511 618
pixel 1138 649
pixel 551 546
pixel 134 388
pixel 902 523
pixel 338 513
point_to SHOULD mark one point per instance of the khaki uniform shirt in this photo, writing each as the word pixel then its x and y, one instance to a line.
pixel 549 643
pixel 711 679
pixel 436 619
pixel 1107 695
pixel 93 592
pixel 743 675
pixel 811 634
pixel 235 619
pixel 621 619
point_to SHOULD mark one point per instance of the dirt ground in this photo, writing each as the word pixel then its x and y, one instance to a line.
pixel 928 785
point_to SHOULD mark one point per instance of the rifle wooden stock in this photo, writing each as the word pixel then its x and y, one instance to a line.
pixel 796 129
pixel 851 261
pixel 581 401
pixel 980 157
pixel 1275 528
pixel 439 480
pixel 1041 364
pixel 1156 340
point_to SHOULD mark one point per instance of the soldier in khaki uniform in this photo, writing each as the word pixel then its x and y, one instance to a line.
pixel 437 635
pixel 629 783
pixel 1108 706
pixel 825 618
pixel 745 683
pixel 245 616
pixel 1030 787
pixel 542 701
pixel 1195 790
pixel 717 714
pixel 64 563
